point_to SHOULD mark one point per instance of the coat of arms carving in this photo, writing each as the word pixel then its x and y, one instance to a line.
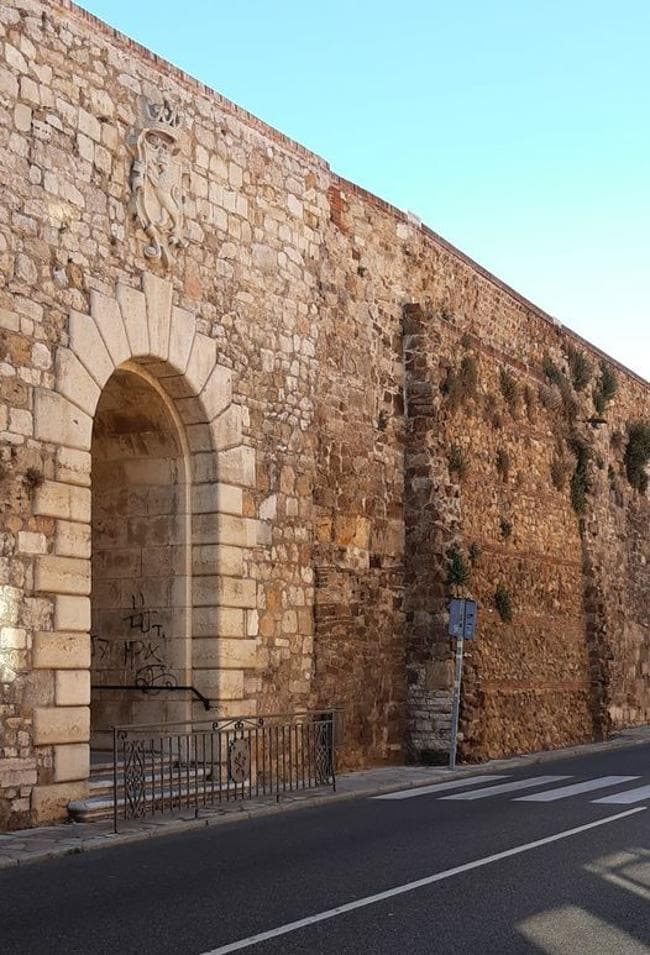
pixel 157 180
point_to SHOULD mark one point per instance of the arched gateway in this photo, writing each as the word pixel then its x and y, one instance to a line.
pixel 151 467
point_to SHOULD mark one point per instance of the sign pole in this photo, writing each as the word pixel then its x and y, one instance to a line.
pixel 455 706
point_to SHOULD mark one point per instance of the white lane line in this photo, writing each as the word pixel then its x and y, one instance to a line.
pixel 626 797
pixel 565 791
pixel 412 886
pixel 440 787
pixel 527 783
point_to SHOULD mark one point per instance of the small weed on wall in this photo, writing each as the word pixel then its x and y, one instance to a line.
pixel 503 603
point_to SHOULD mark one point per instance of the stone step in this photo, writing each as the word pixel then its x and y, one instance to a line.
pixel 99 805
pixel 99 802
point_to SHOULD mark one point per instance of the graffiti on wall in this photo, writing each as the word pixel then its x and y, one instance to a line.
pixel 142 656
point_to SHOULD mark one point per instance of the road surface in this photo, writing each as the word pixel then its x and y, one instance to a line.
pixel 553 858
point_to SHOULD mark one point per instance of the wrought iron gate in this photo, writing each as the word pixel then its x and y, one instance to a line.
pixel 170 767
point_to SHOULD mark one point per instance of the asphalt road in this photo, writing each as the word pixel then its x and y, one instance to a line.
pixel 584 891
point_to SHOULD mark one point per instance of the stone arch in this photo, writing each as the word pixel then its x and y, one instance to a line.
pixel 140 330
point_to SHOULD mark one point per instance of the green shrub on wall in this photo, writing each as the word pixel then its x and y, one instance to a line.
pixel 580 368
pixel 503 603
pixel 637 455
pixel 458 570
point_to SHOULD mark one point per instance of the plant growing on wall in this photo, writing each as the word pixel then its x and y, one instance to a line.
pixel 580 481
pixel 458 570
pixel 473 552
pixel 503 464
pixel 580 368
pixel 606 388
pixel 460 384
pixel 637 455
pixel 551 371
pixel 33 478
pixel 503 603
pixel 508 387
pixel 505 528
pixel 457 461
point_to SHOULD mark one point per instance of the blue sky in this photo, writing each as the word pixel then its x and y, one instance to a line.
pixel 518 129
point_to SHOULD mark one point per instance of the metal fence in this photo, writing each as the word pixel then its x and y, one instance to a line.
pixel 171 767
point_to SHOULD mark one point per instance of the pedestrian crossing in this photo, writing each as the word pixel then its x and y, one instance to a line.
pixel 472 788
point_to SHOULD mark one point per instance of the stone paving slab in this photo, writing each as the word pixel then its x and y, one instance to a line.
pixel 47 842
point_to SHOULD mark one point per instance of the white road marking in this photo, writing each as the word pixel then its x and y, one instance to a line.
pixel 508 787
pixel 626 797
pixel 412 886
pixel 565 791
pixel 440 787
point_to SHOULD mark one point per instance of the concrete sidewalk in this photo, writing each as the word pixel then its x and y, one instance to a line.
pixel 47 842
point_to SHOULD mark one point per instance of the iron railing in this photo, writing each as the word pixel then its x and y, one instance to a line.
pixel 154 688
pixel 167 768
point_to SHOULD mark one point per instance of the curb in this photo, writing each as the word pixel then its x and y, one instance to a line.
pixel 178 826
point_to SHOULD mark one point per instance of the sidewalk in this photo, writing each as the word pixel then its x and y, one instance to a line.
pixel 47 842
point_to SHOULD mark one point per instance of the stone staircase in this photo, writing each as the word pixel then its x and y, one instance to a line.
pixel 98 805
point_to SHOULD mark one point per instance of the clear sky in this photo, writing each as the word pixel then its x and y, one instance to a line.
pixel 518 129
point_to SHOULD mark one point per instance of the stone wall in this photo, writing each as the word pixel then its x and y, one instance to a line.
pixel 350 399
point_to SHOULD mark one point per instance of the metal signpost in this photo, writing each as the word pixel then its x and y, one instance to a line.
pixel 462 627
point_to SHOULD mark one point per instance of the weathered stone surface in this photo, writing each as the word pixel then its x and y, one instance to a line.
pixel 72 613
pixel 71 762
pixel 49 802
pixel 72 688
pixel 61 724
pixel 62 575
pixel 57 420
pixel 55 499
pixel 61 651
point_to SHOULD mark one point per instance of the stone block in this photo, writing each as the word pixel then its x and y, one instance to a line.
pixel 223 653
pixel 72 688
pixel 217 393
pixel 220 684
pixel 62 575
pixel 13 638
pixel 88 345
pixel 71 613
pixel 221 498
pixel 224 592
pixel 74 382
pixel 201 362
pixel 71 761
pixel 222 621
pixel 55 499
pixel 60 422
pixel 71 539
pixel 30 542
pixel 237 466
pixel 227 428
pixel 15 772
pixel 181 338
pixel 57 650
pixel 158 296
pixel 133 306
pixel 225 529
pixel 49 803
pixel 216 559
pixel 108 319
pixel 73 466
pixel 61 724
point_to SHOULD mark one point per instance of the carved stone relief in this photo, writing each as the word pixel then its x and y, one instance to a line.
pixel 157 179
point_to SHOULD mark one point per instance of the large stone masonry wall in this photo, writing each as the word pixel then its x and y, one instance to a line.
pixel 308 341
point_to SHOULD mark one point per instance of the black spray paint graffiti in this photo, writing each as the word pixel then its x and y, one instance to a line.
pixel 145 659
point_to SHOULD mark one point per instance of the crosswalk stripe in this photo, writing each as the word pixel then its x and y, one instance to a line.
pixel 626 797
pixel 439 787
pixel 565 791
pixel 507 787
